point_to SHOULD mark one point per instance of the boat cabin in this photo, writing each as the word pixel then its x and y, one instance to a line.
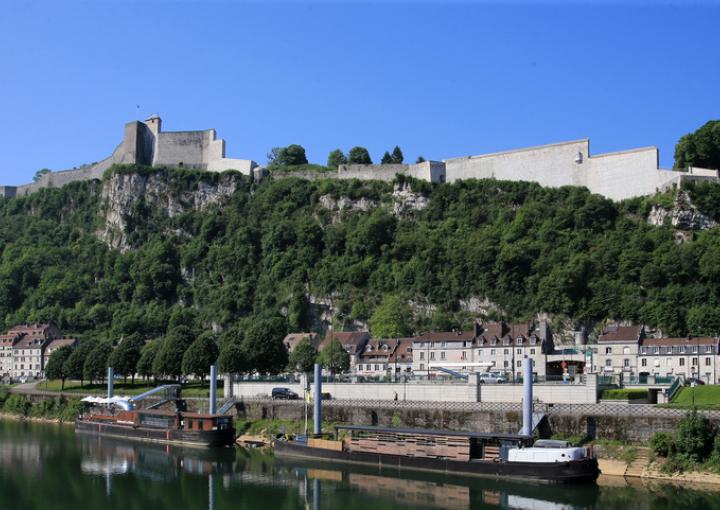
pixel 431 444
pixel 161 419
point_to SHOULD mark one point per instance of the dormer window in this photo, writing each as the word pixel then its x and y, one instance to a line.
pixel 518 340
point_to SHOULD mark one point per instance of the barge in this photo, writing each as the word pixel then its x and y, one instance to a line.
pixel 500 456
pixel 117 417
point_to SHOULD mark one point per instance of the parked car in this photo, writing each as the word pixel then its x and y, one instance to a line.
pixel 491 378
pixel 690 380
pixel 283 393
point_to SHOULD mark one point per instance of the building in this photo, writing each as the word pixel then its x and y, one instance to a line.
pixel 7 342
pixel 352 341
pixel 688 357
pixel 28 350
pixel 291 340
pixel 55 344
pixel 617 350
pixel 450 350
pixel 402 359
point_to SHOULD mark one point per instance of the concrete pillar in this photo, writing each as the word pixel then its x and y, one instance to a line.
pixel 213 389
pixel 591 381
pixel 474 380
pixel 110 377
pixel 317 401
pixel 228 386
pixel 527 396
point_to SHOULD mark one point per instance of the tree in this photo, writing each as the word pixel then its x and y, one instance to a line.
pixel 701 148
pixel 397 156
pixel 359 156
pixel 420 159
pixel 291 155
pixel 55 368
pixel 272 155
pixel 391 318
pixel 334 357
pixel 694 436
pixel 202 353
pixel 147 358
pixel 125 357
pixel 263 346
pixel 96 362
pixel 38 175
pixel 74 365
pixel 387 159
pixel 168 360
pixel 232 359
pixel 336 158
pixel 304 356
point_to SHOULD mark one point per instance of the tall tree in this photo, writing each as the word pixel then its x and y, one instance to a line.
pixel 74 365
pixel 168 361
pixel 359 156
pixel 232 359
pixel 96 363
pixel 387 159
pixel 202 353
pixel 147 358
pixel 303 357
pixel 334 357
pixel 336 158
pixel 420 159
pixel 55 368
pixel 397 155
pixel 701 148
pixel 291 155
pixel 264 347
pixel 124 358
pixel 391 318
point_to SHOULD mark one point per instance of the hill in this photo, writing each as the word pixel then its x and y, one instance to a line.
pixel 148 247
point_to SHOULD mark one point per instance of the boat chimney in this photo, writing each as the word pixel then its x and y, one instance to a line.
pixel 213 389
pixel 527 396
pixel 317 405
pixel 111 375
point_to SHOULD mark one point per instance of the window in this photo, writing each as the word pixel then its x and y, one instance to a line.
pixel 694 361
pixel 480 352
pixel 656 362
pixel 377 367
pixel 422 355
pixel 493 352
pixel 422 366
pixel 506 351
pixel 708 349
pixel 505 363
pixel 695 349
pixel 519 364
pixel 682 349
pixel 626 363
pixel 432 355
pixel 518 341
pixel 442 355
pixel 519 351
pixel 626 350
pixel 463 356
pixel 608 350
pixel 608 363
pixel 644 362
pixel 532 351
pixel 656 350
pixel 422 344
pixel 682 362
pixel 707 362
pixel 444 344
pixel 643 350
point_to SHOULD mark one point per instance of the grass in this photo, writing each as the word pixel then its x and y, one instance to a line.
pixel 271 428
pixel 191 389
pixel 623 394
pixel 706 397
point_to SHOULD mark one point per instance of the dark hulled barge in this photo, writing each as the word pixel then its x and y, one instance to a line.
pixel 469 453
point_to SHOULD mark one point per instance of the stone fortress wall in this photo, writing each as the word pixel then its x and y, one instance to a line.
pixel 616 175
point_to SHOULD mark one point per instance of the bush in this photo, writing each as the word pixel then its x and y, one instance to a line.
pixel 662 444
pixel 694 436
pixel 17 404
pixel 624 394
pixel 72 409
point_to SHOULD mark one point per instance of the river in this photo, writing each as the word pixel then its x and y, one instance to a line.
pixel 48 467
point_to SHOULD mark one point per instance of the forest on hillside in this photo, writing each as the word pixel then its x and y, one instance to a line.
pixel 261 253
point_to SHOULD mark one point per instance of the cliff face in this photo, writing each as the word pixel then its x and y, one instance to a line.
pixel 683 215
pixel 122 193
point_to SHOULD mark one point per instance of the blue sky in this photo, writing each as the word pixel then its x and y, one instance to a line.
pixel 438 79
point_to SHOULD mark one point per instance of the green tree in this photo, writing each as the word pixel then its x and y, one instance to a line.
pixel 336 158
pixel 291 155
pixel 202 353
pixel 334 357
pixel 74 365
pixel 38 175
pixel 420 159
pixel 391 318
pixel 387 159
pixel 704 320
pixel 147 358
pixel 397 156
pixel 303 357
pixel 168 360
pixel 694 436
pixel 55 368
pixel 126 355
pixel 273 155
pixel 96 364
pixel 263 346
pixel 701 148
pixel 359 156
pixel 233 359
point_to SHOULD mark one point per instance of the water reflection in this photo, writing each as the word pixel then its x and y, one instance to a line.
pixel 93 472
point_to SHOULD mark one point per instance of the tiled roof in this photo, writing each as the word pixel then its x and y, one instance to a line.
pixel 403 352
pixel 447 336
pixel 30 342
pixel 352 339
pixel 696 340
pixel 616 333
pixel 60 342
pixel 292 339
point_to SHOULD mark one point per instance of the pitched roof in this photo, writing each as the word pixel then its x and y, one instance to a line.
pixel 379 348
pixel 291 340
pixel 403 351
pixel 30 342
pixel 446 336
pixel 9 339
pixel 626 334
pixel 694 340
pixel 59 342
pixel 351 340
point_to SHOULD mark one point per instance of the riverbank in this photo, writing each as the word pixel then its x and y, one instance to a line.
pixel 34 419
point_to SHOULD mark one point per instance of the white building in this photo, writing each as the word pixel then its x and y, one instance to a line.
pixel 617 350
pixel 689 357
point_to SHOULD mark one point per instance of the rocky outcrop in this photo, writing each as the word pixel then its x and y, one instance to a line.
pixel 123 192
pixel 682 216
pixel 344 203
pixel 406 200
